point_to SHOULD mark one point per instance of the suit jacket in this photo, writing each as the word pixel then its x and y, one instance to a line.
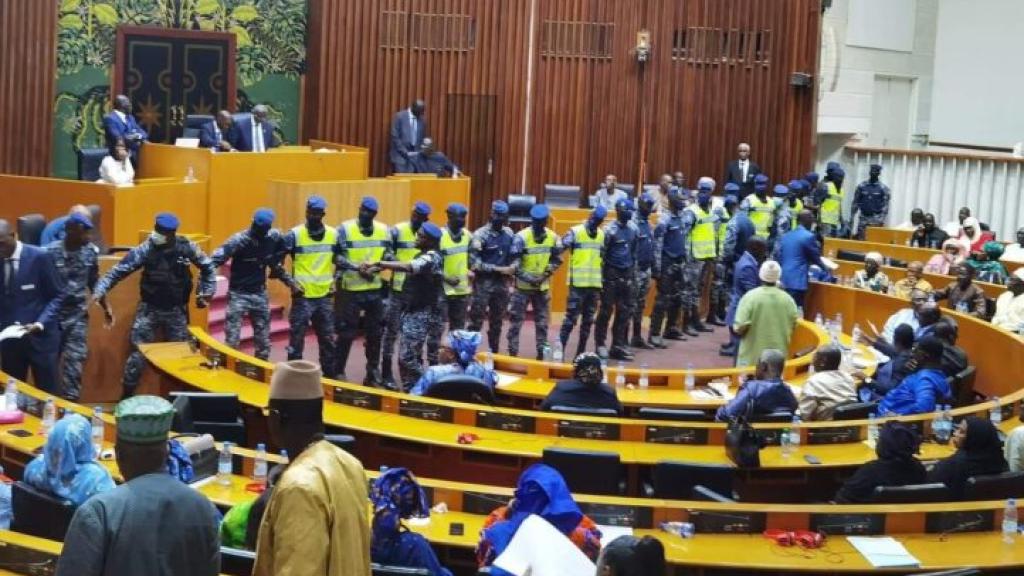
pixel 35 295
pixel 402 139
pixel 798 249
pixel 115 129
pixel 240 135
pixel 735 175
pixel 209 138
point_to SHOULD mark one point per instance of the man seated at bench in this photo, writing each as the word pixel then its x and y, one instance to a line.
pixel 765 394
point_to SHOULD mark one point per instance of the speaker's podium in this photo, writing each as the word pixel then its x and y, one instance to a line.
pixel 237 182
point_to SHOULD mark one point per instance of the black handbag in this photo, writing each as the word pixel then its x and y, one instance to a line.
pixel 742 443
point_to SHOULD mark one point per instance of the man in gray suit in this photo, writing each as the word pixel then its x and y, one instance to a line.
pixel 408 129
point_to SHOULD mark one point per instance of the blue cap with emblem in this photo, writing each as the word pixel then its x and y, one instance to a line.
pixel 599 212
pixel 839 173
pixel 780 190
pixel 539 212
pixel 167 221
pixel 732 187
pixel 499 207
pixel 457 209
pixel 316 203
pixel 370 203
pixel 263 217
pixel 431 229
pixel 624 204
pixel 646 197
pixel 78 218
pixel 422 208
pixel 812 177
pixel 706 184
pixel 876 167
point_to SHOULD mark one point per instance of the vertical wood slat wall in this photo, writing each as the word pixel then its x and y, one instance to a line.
pixel 28 52
pixel 589 113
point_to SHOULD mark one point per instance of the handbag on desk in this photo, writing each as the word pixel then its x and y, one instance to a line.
pixel 742 443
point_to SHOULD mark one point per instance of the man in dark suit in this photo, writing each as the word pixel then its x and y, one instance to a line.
pixel 408 129
pixel 742 171
pixel 119 124
pixel 430 161
pixel 214 134
pixel 31 293
pixel 255 133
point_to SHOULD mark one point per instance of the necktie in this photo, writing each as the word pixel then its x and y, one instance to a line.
pixel 8 274
pixel 743 169
pixel 258 140
pixel 412 133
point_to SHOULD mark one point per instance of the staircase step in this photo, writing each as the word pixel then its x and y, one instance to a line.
pixel 278 326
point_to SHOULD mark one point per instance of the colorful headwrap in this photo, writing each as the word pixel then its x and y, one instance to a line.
pixel 587 368
pixel 67 467
pixel 464 343
pixel 396 495
pixel 179 463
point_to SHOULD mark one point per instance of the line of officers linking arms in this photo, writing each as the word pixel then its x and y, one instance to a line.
pixel 447 274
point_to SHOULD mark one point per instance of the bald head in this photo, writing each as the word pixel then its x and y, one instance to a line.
pixel 743 151
pixel 806 219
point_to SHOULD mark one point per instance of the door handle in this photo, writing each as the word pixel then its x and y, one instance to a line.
pixel 490 166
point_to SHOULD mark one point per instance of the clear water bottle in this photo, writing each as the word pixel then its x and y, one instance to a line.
pixel 11 394
pixel 620 375
pixel 996 413
pixel 224 467
pixel 545 352
pixel 839 321
pixel 259 466
pixel 794 433
pixel 284 455
pixel 604 371
pixel 190 175
pixel 489 360
pixel 819 320
pixel 872 429
pixel 947 425
pixel 558 355
pixel 961 307
pixel 644 380
pixel 49 415
pixel 1010 521
pixel 785 441
pixel 97 429
pixel 690 381
pixel 857 334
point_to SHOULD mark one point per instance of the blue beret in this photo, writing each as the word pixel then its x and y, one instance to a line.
pixel 812 177
pixel 645 196
pixel 79 219
pixel 457 209
pixel 370 203
pixel 781 190
pixel 263 217
pixel 732 187
pixel 539 212
pixel 167 221
pixel 625 204
pixel 731 200
pixel 761 179
pixel 316 203
pixel 797 184
pixel 499 207
pixel 422 208
pixel 599 212
pixel 839 172
pixel 876 166
pixel 832 166
pixel 706 185
pixel 431 229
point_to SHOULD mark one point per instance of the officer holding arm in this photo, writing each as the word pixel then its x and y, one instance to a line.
pixel 403 246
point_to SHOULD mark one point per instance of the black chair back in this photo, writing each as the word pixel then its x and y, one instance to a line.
pixel 30 228
pixel 587 472
pixel 343 441
pixel 962 386
pixel 219 415
pixel 911 493
pixel 678 415
pixel 777 416
pixel 462 388
pixel 39 514
pixel 676 480
pixel 850 255
pixel 519 206
pixel 236 561
pixel 89 160
pixel 854 411
pixel 995 486
pixel 383 570
pixel 629 189
pixel 584 411
pixel 562 195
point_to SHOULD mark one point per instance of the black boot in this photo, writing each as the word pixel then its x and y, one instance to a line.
pixel 713 317
pixel 639 343
pixel 695 321
pixel 686 325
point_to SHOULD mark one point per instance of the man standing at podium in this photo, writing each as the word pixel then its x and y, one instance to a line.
pixel 408 129
pixel 164 259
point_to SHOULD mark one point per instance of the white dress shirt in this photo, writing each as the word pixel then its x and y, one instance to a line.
pixel 257 137
pixel 1014 254
pixel 412 125
pixel 744 167
pixel 119 173
pixel 11 272
pixel 1009 312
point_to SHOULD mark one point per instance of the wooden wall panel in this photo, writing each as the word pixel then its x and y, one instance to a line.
pixel 569 108
pixel 28 51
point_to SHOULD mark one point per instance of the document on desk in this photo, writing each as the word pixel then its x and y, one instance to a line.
pixel 507 379
pixel 883 551
pixel 609 533
pixel 539 549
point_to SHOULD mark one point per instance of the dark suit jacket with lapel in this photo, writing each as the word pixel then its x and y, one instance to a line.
pixel 35 295
pixel 115 129
pixel 735 175
pixel 402 137
pixel 208 137
pixel 240 135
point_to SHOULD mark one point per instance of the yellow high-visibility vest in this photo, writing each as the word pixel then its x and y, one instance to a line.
pixel 702 237
pixel 456 262
pixel 405 251
pixel 723 225
pixel 795 212
pixel 585 266
pixel 536 257
pixel 363 248
pixel 761 214
pixel 832 204
pixel 313 261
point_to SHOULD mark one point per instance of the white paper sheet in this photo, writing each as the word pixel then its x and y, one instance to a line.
pixel 539 549
pixel 506 379
pixel 12 331
pixel 609 533
pixel 883 551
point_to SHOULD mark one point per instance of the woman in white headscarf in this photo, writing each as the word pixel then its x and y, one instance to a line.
pixel 972 237
pixel 871 277
pixel 951 257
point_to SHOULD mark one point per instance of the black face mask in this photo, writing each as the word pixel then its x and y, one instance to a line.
pixel 259 231
pixel 623 217
pixel 314 222
pixel 416 221
pixel 365 220
pixel 498 221
pixel 538 226
pixel 456 224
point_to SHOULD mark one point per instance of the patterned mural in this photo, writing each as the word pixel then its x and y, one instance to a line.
pixel 270 37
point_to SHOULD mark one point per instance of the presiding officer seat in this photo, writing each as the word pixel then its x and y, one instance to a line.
pixel 562 195
pixel 194 123
pixel 519 206
pixel 39 514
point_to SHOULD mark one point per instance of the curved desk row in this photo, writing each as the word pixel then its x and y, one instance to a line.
pixel 849 268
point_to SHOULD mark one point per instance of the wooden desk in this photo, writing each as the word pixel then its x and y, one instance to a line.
pixel 849 268
pixel 900 252
pixel 888 235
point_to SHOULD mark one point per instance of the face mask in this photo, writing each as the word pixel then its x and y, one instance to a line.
pixel 703 198
pixel 456 224
pixel 623 217
pixel 538 226
pixel 365 220
pixel 497 221
pixel 158 238
pixel 260 231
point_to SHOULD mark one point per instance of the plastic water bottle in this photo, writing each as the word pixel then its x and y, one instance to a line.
pixel 97 429
pixel 489 360
pixel 259 467
pixel 49 415
pixel 872 429
pixel 996 413
pixel 857 334
pixel 190 175
pixel 690 380
pixel 224 467
pixel 961 307
pixel 785 441
pixel 839 321
pixel 604 371
pixel 620 375
pixel 545 352
pixel 644 380
pixel 1010 521
pixel 819 320
pixel 794 433
pixel 558 355
pixel 284 455
pixel 11 394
